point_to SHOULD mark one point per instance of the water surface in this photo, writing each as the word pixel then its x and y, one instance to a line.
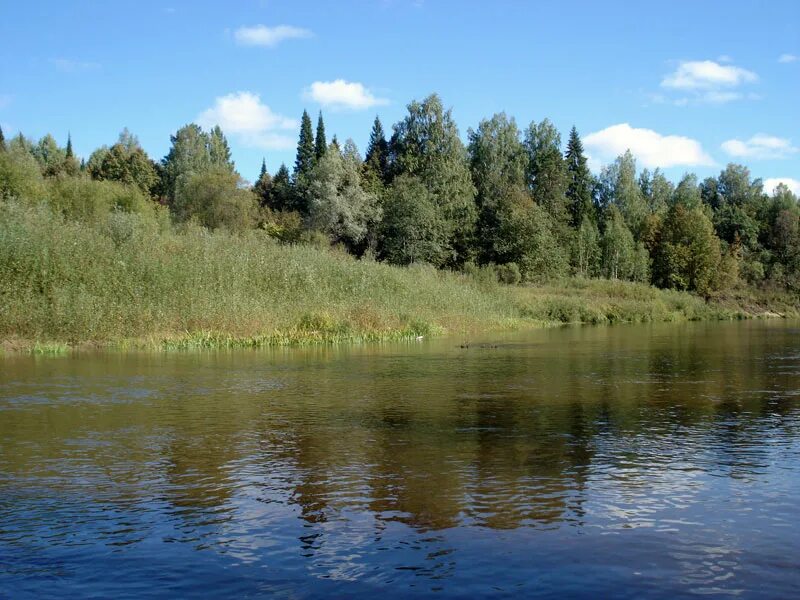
pixel 631 461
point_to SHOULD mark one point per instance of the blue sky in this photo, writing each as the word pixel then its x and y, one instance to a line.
pixel 687 85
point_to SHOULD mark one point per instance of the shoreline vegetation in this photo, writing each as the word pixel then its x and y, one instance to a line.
pixel 126 282
pixel 424 235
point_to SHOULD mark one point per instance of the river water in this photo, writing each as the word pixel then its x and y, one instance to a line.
pixel 628 461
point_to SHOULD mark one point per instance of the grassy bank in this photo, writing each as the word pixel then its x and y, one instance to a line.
pixel 126 281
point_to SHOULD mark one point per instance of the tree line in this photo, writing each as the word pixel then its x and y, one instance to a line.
pixel 512 201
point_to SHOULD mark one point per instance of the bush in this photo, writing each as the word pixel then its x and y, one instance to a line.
pixel 508 273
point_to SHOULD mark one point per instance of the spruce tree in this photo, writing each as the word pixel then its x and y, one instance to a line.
pixel 281 195
pixel 263 186
pixel 320 144
pixel 69 146
pixel 2 141
pixel 304 162
pixel 377 158
pixel 579 182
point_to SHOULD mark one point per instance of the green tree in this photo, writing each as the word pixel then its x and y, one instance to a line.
pixel 547 172
pixel 215 198
pixel 376 161
pixel 687 193
pixel 338 205
pixel 586 249
pixel 412 229
pixel 656 190
pixel 320 144
pixel 126 162
pixel 282 196
pixel 623 258
pixel 2 141
pixel 579 182
pixel 688 254
pixel 304 162
pixel 71 165
pixel 526 238
pixel 498 162
pixel 263 185
pixel 188 155
pixel 426 145
pixel 619 187
pixel 49 156
pixel 219 152
pixel 20 175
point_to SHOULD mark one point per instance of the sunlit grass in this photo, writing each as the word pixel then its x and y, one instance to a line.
pixel 135 282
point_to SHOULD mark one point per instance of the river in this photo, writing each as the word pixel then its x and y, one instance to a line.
pixel 628 461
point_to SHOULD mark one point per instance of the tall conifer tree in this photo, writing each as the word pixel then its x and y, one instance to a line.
pixel 579 181
pixel 320 143
pixel 377 157
pixel 304 162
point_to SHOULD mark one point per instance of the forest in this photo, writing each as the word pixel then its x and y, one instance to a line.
pixel 514 205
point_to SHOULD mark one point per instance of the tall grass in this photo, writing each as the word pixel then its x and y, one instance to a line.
pixel 133 279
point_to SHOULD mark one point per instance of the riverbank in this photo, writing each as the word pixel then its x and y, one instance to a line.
pixel 132 283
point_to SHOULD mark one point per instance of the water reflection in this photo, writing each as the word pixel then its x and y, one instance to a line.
pixel 665 459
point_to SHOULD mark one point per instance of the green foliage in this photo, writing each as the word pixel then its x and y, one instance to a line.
pixel 657 191
pixel 320 143
pixel 526 238
pixel 498 162
pixel 547 171
pixel 620 188
pixel 586 253
pixel 623 258
pixel 263 186
pixel 219 153
pixel 412 229
pixel 688 255
pixel 282 196
pixel 426 145
pixel 304 162
pixel 125 162
pixel 579 182
pixel 20 175
pixel 509 273
pixel 215 199
pixel 188 154
pixel 84 200
pixel 376 161
pixel 49 155
pixel 338 204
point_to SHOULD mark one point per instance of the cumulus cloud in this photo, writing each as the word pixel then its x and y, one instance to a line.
pixel 792 184
pixel 760 146
pixel 708 81
pixel 788 58
pixel 243 115
pixel 261 35
pixel 650 148
pixel 341 94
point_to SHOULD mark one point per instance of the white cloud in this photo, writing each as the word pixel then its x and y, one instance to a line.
pixel 707 75
pixel 760 146
pixel 707 81
pixel 243 115
pixel 649 147
pixel 788 58
pixel 792 184
pixel 340 94
pixel 67 65
pixel 261 35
